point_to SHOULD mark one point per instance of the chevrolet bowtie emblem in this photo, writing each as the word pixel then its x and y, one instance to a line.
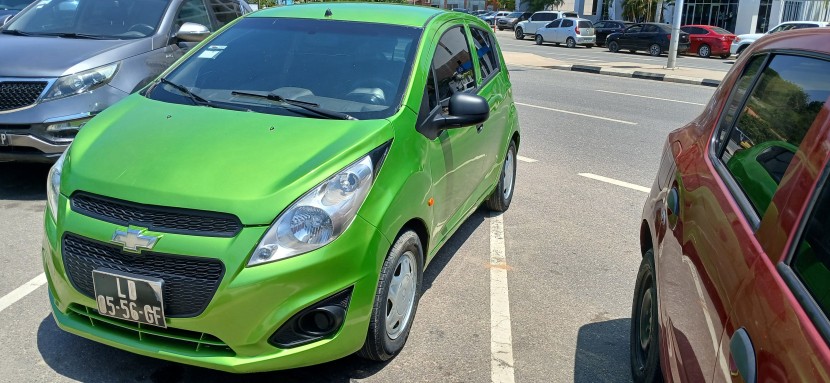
pixel 133 240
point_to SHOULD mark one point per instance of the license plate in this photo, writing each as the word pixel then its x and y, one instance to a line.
pixel 129 297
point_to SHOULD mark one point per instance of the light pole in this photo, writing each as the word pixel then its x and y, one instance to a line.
pixel 675 34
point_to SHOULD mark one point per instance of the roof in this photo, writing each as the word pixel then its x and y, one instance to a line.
pixel 399 14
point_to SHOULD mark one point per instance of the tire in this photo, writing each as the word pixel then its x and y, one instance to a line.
pixel 589 46
pixel 503 194
pixel 539 39
pixel 570 42
pixel 501 29
pixel 645 330
pixel 405 260
pixel 520 34
pixel 614 47
pixel 655 50
pixel 725 56
pixel 704 51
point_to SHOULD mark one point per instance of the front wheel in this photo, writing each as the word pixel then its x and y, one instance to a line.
pixel 501 29
pixel 704 51
pixel 614 47
pixel 644 340
pixel 396 299
pixel 503 195
pixel 570 42
pixel 520 34
pixel 655 50
pixel 539 39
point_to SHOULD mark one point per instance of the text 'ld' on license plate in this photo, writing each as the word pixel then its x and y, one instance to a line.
pixel 129 297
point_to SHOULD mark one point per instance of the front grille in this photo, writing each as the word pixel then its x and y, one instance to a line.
pixel 157 218
pixel 201 343
pixel 19 94
pixel 14 126
pixel 189 282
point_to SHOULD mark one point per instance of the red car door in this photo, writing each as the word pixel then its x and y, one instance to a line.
pixel 778 329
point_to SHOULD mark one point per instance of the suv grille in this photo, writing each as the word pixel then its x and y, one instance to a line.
pixel 19 94
pixel 189 282
pixel 157 218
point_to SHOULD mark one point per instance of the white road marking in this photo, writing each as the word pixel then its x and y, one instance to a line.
pixel 649 97
pixel 22 291
pixel 526 159
pixel 616 182
pixel 576 114
pixel 501 338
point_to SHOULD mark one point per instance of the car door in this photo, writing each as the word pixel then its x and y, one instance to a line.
pixel 647 37
pixel 628 39
pixel 778 329
pixel 695 37
pixel 539 20
pixel 548 32
pixel 564 30
pixel 456 156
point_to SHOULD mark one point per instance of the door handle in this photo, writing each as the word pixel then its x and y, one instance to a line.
pixel 479 128
pixel 742 356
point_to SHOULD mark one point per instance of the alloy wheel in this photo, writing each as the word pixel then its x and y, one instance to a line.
pixel 654 50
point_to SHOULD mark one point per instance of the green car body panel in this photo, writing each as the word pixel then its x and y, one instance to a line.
pixel 254 166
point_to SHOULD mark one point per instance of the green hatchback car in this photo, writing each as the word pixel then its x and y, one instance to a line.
pixel 272 199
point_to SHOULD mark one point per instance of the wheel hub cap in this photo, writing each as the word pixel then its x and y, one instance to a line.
pixel 645 320
pixel 400 299
pixel 509 165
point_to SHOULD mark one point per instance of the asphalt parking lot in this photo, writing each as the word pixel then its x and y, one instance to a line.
pixel 590 147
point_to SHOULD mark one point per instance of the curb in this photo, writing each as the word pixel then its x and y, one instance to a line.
pixel 637 74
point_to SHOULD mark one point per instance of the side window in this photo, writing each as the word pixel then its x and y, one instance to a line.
pixel 811 260
pixel 766 135
pixel 225 11
pixel 600 24
pixel 453 64
pixel 553 24
pixel 567 23
pixel 488 61
pixel 545 17
pixel 634 29
pixel 650 29
pixel 192 11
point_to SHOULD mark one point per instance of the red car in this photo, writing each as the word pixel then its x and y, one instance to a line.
pixel 708 40
pixel 734 283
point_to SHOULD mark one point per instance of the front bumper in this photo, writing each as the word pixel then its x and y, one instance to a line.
pixel 249 305
pixel 25 130
pixel 734 47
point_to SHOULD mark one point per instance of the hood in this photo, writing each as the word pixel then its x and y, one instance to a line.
pixel 750 36
pixel 23 56
pixel 248 164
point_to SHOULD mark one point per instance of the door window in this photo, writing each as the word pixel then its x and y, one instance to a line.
pixel 453 64
pixel 193 11
pixel 554 24
pixel 488 61
pixel 634 29
pixel 783 104
pixel 600 24
pixel 225 11
pixel 650 29
pixel 811 260
pixel 567 23
pixel 543 17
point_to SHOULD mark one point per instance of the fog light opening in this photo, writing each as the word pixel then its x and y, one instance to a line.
pixel 322 321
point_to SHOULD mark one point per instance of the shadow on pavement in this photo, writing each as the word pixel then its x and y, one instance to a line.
pixel 22 181
pixel 87 361
pixel 602 352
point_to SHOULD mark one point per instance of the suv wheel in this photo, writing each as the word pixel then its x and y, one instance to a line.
pixel 539 39
pixel 645 328
pixel 520 34
pixel 655 50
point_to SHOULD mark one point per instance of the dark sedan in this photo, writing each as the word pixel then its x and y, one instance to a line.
pixel 653 38
pixel 510 21
pixel 606 27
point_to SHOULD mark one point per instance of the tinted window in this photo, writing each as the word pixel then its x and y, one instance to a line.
pixel 687 29
pixel 567 23
pixel 570 14
pixel 650 29
pixel 112 19
pixel 811 261
pixel 585 24
pixel 780 109
pixel 14 5
pixel 225 10
pixel 554 24
pixel 488 62
pixel 544 17
pixel 453 64
pixel 739 91
pixel 600 24
pixel 634 29
pixel 192 11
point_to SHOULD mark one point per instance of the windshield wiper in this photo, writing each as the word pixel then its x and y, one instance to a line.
pixel 309 106
pixel 199 100
pixel 17 32
pixel 73 35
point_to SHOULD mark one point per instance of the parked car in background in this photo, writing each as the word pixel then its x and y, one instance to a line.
pixel 539 20
pixel 734 283
pixel 741 42
pixel 493 18
pixel 570 31
pixel 650 37
pixel 99 51
pixel 510 21
pixel 707 40
pixel 241 218
pixel 9 8
pixel 606 27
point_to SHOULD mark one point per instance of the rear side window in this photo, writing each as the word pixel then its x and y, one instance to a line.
pixel 453 64
pixel 634 29
pixel 488 61
pixel 585 24
pixel 600 24
pixel 567 23
pixel 543 17
pixel 811 260
pixel 783 104
pixel 650 29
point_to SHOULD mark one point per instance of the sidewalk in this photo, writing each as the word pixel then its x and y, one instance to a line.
pixel 621 69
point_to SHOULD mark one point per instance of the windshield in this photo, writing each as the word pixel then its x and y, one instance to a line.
pixel 107 19
pixel 13 5
pixel 359 69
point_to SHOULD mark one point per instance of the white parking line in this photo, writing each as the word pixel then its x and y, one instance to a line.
pixel 22 291
pixel 501 337
pixel 526 159
pixel 576 114
pixel 616 182
pixel 649 97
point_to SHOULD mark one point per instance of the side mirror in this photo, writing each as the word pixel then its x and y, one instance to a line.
pixel 192 32
pixel 464 110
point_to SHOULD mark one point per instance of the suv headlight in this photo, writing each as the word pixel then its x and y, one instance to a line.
pixel 81 82
pixel 53 185
pixel 322 214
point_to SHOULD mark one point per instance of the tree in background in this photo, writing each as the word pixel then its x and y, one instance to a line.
pixel 540 5
pixel 639 10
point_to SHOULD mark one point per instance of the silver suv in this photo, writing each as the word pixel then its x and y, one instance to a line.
pixel 539 20
pixel 571 31
pixel 64 61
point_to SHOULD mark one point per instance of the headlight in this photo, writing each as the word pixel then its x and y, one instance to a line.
pixel 53 185
pixel 81 82
pixel 321 215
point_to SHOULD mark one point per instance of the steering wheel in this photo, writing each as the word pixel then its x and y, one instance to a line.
pixel 144 29
pixel 372 83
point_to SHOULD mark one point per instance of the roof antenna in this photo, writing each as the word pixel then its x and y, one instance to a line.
pixel 328 13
